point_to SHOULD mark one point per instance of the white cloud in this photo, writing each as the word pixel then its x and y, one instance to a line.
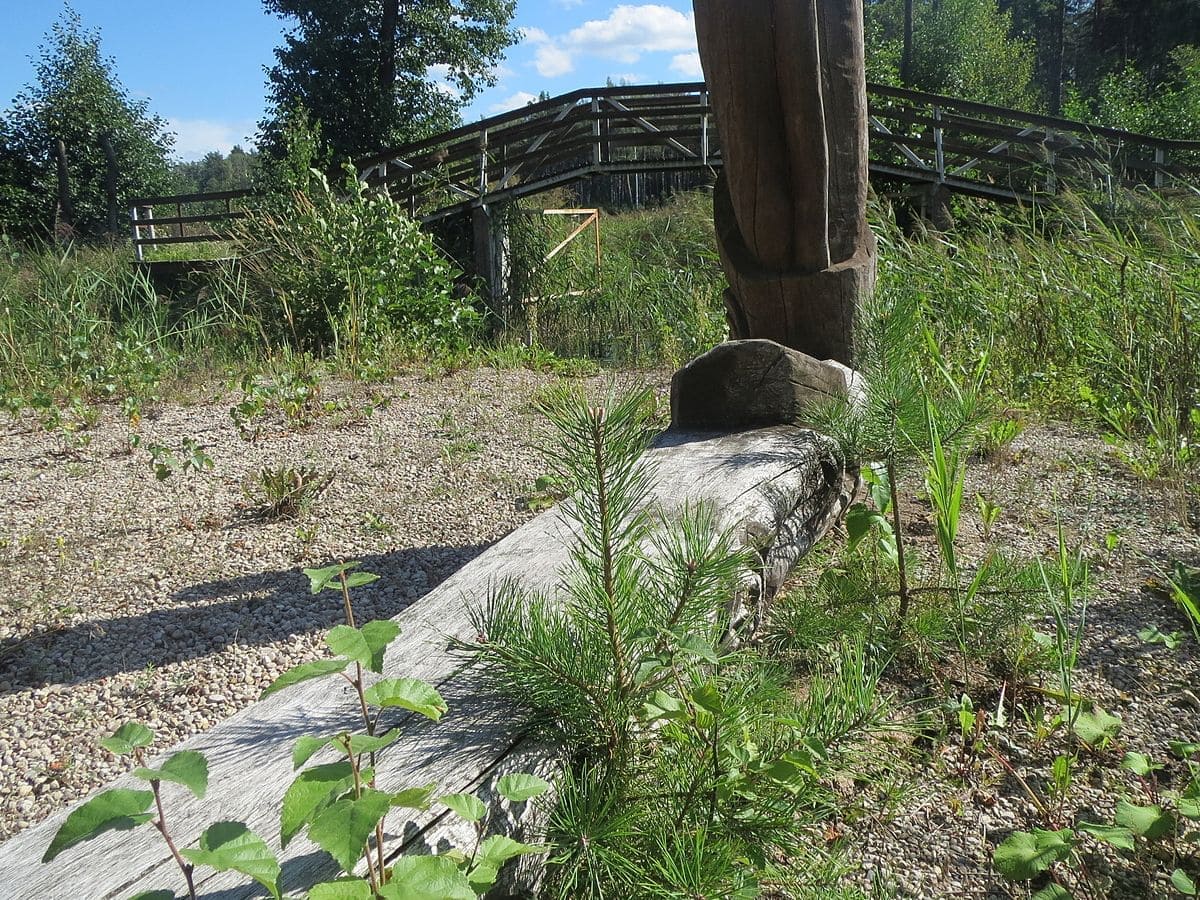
pixel 568 4
pixel 196 137
pixel 627 78
pixel 628 33
pixel 516 101
pixel 552 61
pixel 688 65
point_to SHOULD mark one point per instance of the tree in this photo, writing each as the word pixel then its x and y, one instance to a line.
pixel 217 172
pixel 962 48
pixel 78 101
pixel 362 69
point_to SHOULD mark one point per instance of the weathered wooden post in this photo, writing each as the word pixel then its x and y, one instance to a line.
pixel 788 87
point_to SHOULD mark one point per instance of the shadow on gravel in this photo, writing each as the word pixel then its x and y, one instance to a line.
pixel 247 610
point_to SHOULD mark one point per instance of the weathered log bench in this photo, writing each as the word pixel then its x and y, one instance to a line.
pixel 779 488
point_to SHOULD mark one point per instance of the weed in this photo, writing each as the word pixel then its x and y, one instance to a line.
pixel 338 804
pixel 284 491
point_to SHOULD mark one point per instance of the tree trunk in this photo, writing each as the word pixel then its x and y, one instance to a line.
pixel 387 52
pixel 906 51
pixel 788 87
pixel 64 219
pixel 110 180
pixel 1056 63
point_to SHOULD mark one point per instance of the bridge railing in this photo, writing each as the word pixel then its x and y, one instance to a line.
pixel 916 139
pixel 198 218
pixel 991 151
pixel 920 138
pixel 609 130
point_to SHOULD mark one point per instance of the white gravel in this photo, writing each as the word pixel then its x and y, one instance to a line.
pixel 173 603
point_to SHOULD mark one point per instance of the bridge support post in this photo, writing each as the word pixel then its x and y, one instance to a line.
pixel 492 258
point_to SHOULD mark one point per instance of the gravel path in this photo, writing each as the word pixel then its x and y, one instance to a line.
pixel 174 603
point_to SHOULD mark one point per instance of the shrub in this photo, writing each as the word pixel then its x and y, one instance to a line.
pixel 342 272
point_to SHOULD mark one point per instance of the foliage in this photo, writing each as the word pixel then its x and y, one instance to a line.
pixel 217 172
pixel 1085 313
pixel 1129 99
pixel 344 274
pixel 79 324
pixel 365 71
pixel 77 99
pixel 961 48
pixel 285 491
pixel 1153 827
pixel 657 297
pixel 337 803
pixel 694 772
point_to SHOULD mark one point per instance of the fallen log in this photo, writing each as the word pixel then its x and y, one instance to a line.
pixel 777 488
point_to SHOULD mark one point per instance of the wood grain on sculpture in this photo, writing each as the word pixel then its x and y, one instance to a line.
pixel 787 83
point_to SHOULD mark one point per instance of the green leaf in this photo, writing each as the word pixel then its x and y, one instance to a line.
pixel 342 889
pixel 520 786
pixel 697 646
pixel 1139 764
pixel 708 698
pixel 498 849
pixel 358 579
pixel 1184 750
pixel 316 669
pixel 860 519
pixel 364 645
pixel 1097 727
pixel 1117 836
pixel 116 810
pixel 468 806
pixel 320 579
pixel 1025 855
pixel 1183 883
pixel 187 767
pixel 232 847
pixel 154 895
pixel 1150 822
pixel 342 829
pixel 1052 891
pixel 367 743
pixel 305 747
pixel 1189 807
pixel 663 706
pixel 129 737
pixel 426 878
pixel 312 791
pixel 415 797
pixel 482 877
pixel 407 693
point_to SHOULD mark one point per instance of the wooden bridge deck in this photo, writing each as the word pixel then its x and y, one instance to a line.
pixel 916 139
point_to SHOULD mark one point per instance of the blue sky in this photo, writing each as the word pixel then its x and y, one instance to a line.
pixel 200 64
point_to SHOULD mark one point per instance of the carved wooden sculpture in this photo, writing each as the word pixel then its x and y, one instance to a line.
pixel 788 87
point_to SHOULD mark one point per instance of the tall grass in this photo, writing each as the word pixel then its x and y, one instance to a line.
pixel 1084 314
pixel 656 299
pixel 85 323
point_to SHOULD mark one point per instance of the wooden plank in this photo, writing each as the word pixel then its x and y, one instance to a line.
pixel 192 198
pixel 777 488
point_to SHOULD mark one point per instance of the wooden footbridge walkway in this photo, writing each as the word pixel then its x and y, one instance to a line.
pixel 918 141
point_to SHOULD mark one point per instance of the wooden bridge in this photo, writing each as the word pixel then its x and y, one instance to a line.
pixel 918 140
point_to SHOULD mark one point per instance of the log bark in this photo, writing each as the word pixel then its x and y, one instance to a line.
pixel 788 87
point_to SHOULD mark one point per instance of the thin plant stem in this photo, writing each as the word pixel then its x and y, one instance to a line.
pixel 161 824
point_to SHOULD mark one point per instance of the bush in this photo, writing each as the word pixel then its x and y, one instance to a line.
pixel 342 273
